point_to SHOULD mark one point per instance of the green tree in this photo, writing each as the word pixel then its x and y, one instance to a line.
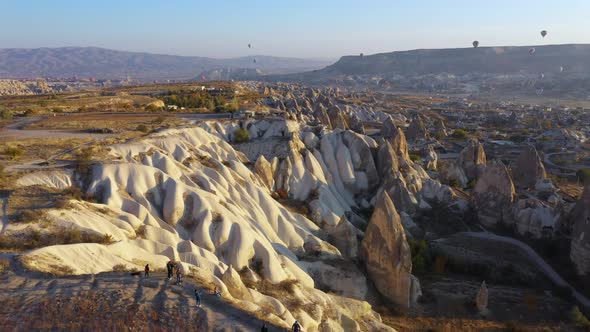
pixel 241 136
pixel 460 134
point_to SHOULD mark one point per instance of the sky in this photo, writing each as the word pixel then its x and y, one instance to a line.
pixel 302 28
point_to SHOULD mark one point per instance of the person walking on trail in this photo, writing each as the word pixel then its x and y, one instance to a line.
pixel 198 297
pixel 147 270
pixel 264 328
pixel 169 268
pixel 296 327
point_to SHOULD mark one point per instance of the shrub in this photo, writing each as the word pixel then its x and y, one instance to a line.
pixel 6 115
pixel 13 152
pixel 241 136
pixel 121 268
pixel 415 158
pixel 143 128
pixel 29 216
pixel 420 255
pixel 459 134
pixel 583 175
pixel 578 318
pixel 62 235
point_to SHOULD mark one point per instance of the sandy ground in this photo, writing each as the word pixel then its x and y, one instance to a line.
pixel 114 302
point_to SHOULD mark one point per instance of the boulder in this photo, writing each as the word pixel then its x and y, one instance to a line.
pixel 472 159
pixel 528 168
pixel 386 253
pixel 580 249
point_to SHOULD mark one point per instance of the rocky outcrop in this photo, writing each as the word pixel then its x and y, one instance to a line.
pixel 451 172
pixel 264 171
pixel 356 124
pixel 417 131
pixel 440 130
pixel 386 253
pixel 430 158
pixel 580 250
pixel 321 116
pixel 481 299
pixel 494 195
pixel 535 219
pixel 337 119
pixel 528 168
pixel 472 159
pixel 343 237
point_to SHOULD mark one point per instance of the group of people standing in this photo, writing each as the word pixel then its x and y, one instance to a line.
pixel 172 268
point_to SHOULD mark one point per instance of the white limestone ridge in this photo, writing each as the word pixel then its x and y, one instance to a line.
pixel 185 194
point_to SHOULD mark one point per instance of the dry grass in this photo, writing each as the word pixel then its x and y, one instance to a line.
pixel 116 122
pixel 35 148
pixel 4 264
pixel 60 235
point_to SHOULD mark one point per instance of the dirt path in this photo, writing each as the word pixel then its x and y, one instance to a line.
pixel 112 301
pixel 538 260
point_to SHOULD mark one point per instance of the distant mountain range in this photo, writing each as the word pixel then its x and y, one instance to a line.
pixel 111 64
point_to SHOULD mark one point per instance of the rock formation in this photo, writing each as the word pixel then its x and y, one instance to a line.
pixel 494 194
pixel 472 159
pixel 337 118
pixel 528 168
pixel 481 299
pixel 386 253
pixel 431 158
pixel 452 172
pixel 417 131
pixel 580 251
pixel 356 124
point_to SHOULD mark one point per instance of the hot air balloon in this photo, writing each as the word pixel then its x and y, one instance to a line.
pixel 249 45
pixel 475 44
pixel 532 51
pixel 544 33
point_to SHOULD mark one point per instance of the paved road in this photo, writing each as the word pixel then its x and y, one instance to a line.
pixel 543 266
